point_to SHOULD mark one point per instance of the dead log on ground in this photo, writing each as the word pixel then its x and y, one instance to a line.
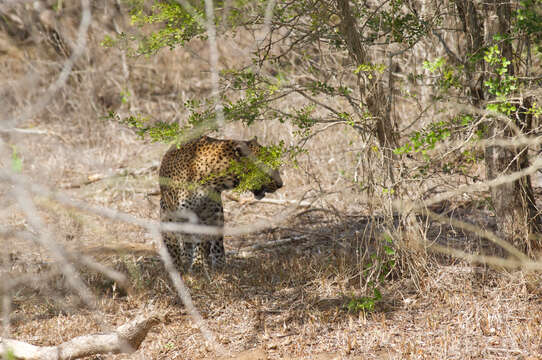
pixel 125 339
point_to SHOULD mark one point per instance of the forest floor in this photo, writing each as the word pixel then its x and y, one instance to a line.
pixel 287 301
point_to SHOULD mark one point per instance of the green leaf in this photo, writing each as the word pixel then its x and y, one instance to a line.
pixel 16 161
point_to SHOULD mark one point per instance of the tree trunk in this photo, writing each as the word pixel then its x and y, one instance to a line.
pixel 514 202
pixel 518 219
pixel 517 216
pixel 373 90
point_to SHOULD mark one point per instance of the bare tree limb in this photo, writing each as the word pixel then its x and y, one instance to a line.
pixel 117 173
pixel 34 132
pixel 126 338
pixel 245 251
pixel 269 201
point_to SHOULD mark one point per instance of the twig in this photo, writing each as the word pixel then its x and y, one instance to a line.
pixel 62 78
pixel 447 48
pixel 77 257
pixel 120 172
pixel 183 292
pixel 268 201
pixel 125 339
pixel 154 229
pixel 34 132
pixel 405 205
pixel 243 252
pixel 46 240
pixel 480 232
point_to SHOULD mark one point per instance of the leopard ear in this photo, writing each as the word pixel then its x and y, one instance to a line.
pixel 254 140
pixel 242 148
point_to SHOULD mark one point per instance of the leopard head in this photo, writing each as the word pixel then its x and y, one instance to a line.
pixel 251 149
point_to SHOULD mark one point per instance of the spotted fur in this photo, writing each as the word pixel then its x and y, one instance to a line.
pixel 192 179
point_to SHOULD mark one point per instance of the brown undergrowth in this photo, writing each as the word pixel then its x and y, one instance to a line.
pixel 292 301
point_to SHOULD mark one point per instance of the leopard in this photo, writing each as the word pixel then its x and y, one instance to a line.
pixel 192 177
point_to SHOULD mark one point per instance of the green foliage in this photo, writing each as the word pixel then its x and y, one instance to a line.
pixel 247 110
pixel 528 18
pixel 535 110
pixel 448 76
pixel 385 263
pixel 501 84
pixel 381 265
pixel 254 91
pixel 364 303
pixel 9 354
pixel 166 23
pixel 303 118
pixel 253 174
pixel 157 132
pixel 426 139
pixel 16 161
pixel 124 96
pixel 319 87
pixel 176 25
pixel 395 23
pixel 435 65
pixel 109 41
pixel 202 115
pixel 370 69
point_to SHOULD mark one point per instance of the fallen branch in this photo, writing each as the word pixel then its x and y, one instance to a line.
pixel 268 201
pixel 34 132
pixel 118 173
pixel 126 339
pixel 245 251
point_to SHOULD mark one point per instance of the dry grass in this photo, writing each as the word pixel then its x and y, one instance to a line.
pixel 291 303
pixel 281 302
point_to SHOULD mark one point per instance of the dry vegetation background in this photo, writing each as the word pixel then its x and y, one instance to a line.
pixel 285 292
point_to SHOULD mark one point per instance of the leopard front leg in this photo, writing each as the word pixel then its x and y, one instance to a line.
pixel 200 254
pixel 172 242
pixel 174 249
pixel 177 243
pixel 210 248
pixel 217 254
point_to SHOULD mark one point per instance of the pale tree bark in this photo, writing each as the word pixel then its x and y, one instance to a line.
pixel 372 91
pixel 125 339
pixel 474 29
pixel 518 219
